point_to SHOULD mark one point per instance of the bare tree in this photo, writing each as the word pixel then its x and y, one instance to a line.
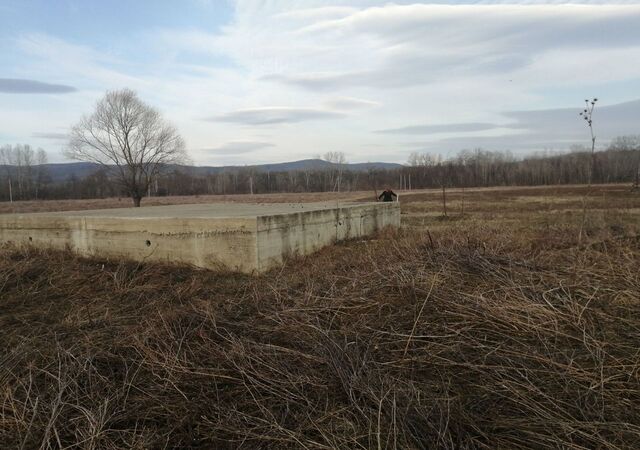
pixel 41 171
pixel 24 157
pixel 128 136
pixel 338 159
pixel 7 161
pixel 629 144
pixel 24 170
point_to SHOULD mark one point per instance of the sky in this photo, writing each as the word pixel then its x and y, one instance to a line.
pixel 251 82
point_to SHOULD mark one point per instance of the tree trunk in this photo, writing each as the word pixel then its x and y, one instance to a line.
pixel 136 200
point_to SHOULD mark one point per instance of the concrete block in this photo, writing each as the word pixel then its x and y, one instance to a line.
pixel 237 236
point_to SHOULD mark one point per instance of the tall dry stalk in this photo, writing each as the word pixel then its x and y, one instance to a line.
pixel 444 201
pixel 587 115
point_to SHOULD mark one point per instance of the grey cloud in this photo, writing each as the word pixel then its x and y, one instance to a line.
pixel 350 103
pixel 22 86
pixel 409 67
pixel 53 136
pixel 275 115
pixel 609 121
pixel 318 81
pixel 443 128
pixel 235 147
pixel 548 129
pixel 398 71
pixel 499 25
pixel 508 38
pixel 323 12
pixel 522 144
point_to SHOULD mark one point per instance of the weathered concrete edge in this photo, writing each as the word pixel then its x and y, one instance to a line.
pixel 209 243
pixel 302 233
pixel 247 244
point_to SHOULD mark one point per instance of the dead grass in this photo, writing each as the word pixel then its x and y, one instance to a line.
pixel 493 330
pixel 431 198
pixel 108 203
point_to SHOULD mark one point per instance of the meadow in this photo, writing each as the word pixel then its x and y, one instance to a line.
pixel 511 322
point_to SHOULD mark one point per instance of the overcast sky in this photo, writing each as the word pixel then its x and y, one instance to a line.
pixel 269 81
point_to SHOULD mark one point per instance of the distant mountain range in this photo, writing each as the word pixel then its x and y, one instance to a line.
pixel 62 171
pixel 304 164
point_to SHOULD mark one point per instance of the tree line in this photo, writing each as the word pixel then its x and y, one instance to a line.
pixel 23 174
pixel 619 163
pixel 140 154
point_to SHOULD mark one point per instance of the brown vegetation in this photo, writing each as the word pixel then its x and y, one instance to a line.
pixel 496 329
pixel 483 199
pixel 108 203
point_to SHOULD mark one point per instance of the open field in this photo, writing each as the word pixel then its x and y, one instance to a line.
pixel 107 203
pixel 430 197
pixel 513 325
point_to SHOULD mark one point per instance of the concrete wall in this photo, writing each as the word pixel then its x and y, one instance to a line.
pixel 283 235
pixel 209 243
pixel 245 244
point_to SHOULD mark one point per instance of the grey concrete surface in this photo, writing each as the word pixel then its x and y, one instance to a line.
pixel 203 210
pixel 235 236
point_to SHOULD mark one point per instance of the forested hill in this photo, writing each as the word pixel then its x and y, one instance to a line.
pixel 304 164
pixel 64 171
pixel 477 168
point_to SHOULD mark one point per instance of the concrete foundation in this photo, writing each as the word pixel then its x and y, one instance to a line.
pixel 244 237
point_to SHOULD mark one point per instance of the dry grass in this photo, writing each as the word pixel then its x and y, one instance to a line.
pixel 492 330
pixel 108 203
pixel 431 198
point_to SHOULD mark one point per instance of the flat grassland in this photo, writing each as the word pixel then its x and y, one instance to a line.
pixel 513 322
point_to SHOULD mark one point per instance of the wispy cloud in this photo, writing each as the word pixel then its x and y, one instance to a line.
pixel 442 128
pixel 350 103
pixel 52 135
pixel 82 62
pixel 275 115
pixel 556 128
pixel 317 13
pixel 417 44
pixel 22 86
pixel 235 147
